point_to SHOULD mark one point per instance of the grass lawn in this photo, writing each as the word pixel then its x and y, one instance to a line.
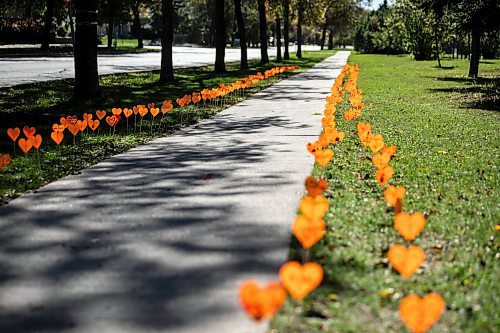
pixel 42 104
pixel 446 128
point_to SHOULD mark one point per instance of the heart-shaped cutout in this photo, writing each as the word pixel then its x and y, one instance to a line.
pixel 409 226
pixel 29 131
pixel 111 120
pixel 25 145
pixel 308 232
pixel 82 124
pixel 384 175
pixel 74 128
pixel 87 117
pixel 419 314
pixel 315 186
pixel 116 111
pixel 63 122
pixel 100 114
pixel 36 140
pixel 154 111
pixel 93 124
pixel 58 128
pixel 261 302
pixel 143 111
pixel 57 137
pixel 13 133
pixel 127 112
pixel 323 157
pixel 381 160
pixel 392 194
pixel 71 120
pixel 300 280
pixel 314 208
pixel 376 142
pixel 4 160
pixel 406 260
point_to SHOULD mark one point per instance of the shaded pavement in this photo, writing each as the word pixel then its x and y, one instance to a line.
pixel 159 238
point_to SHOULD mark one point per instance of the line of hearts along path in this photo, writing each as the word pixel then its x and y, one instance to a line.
pixel 158 239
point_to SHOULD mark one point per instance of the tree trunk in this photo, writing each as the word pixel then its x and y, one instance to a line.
pixel 243 38
pixel 323 36
pixel 85 55
pixel 278 38
pixel 137 25
pixel 299 29
pixel 264 58
pixel 330 39
pixel 167 39
pixel 286 29
pixel 109 31
pixel 47 28
pixel 220 37
pixel 475 49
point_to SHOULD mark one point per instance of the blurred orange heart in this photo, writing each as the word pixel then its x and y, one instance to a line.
pixel 63 122
pixel 409 226
pixel 392 194
pixel 87 117
pixel 111 120
pixel 419 314
pixel 58 128
pixel 261 302
pixel 13 133
pixel 100 114
pixel 314 208
pixel 116 111
pixel 36 141
pixel 315 186
pixel 4 160
pixel 376 143
pixel 82 124
pixel 74 128
pixel 308 232
pixel 300 280
pixel 143 112
pixel 57 137
pixel 381 160
pixel 28 131
pixel 323 157
pixel 94 124
pixel 384 175
pixel 406 260
pixel 154 111
pixel 25 145
pixel 127 112
pixel 71 120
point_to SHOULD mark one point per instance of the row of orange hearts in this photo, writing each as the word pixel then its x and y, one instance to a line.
pixel 418 314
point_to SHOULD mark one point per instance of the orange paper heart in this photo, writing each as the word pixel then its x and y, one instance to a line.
pixel 4 160
pixel 392 194
pixel 314 208
pixel 28 131
pixel 82 124
pixel 74 128
pixel 376 143
pixel 381 160
pixel 111 120
pixel 100 114
pixel 308 232
pixel 36 141
pixel 323 157
pixel 93 124
pixel 409 226
pixel 406 260
pixel 300 280
pixel 261 302
pixel 127 112
pixel 419 314
pixel 57 137
pixel 25 145
pixel 315 186
pixel 63 122
pixel 71 120
pixel 116 111
pixel 384 175
pixel 58 128
pixel 87 117
pixel 13 133
pixel 154 111
pixel 143 112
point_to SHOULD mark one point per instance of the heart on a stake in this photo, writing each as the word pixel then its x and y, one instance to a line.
pixel 4 160
pixel 409 226
pixel 57 137
pixel 13 133
pixel 154 111
pixel 100 114
pixel 127 112
pixel 315 186
pixel 58 128
pixel 111 120
pixel 29 131
pixel 143 111
pixel 406 260
pixel 419 314
pixel 300 280
pixel 93 124
pixel 323 157
pixel 71 120
pixel 261 302
pixel 36 140
pixel 314 208
pixel 116 111
pixel 63 122
pixel 74 128
pixel 82 124
pixel 25 145
pixel 308 232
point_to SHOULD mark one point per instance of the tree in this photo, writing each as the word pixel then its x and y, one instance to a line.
pixel 300 20
pixel 220 37
pixel 137 24
pixel 242 33
pixel 86 75
pixel 264 58
pixel 286 28
pixel 278 37
pixel 167 39
pixel 49 15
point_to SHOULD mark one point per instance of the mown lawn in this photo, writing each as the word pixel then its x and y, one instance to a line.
pixel 446 128
pixel 42 104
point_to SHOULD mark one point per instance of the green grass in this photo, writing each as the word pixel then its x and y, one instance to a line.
pixel 42 104
pixel 446 129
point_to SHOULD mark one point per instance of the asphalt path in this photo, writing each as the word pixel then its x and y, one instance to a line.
pixel 21 70
pixel 159 238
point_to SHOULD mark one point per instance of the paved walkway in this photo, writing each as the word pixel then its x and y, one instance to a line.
pixel 159 238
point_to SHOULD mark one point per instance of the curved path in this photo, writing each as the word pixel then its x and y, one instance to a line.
pixel 159 238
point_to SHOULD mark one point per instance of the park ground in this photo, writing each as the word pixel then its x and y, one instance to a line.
pixel 445 127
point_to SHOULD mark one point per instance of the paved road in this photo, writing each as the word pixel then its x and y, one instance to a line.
pixel 159 238
pixel 14 71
